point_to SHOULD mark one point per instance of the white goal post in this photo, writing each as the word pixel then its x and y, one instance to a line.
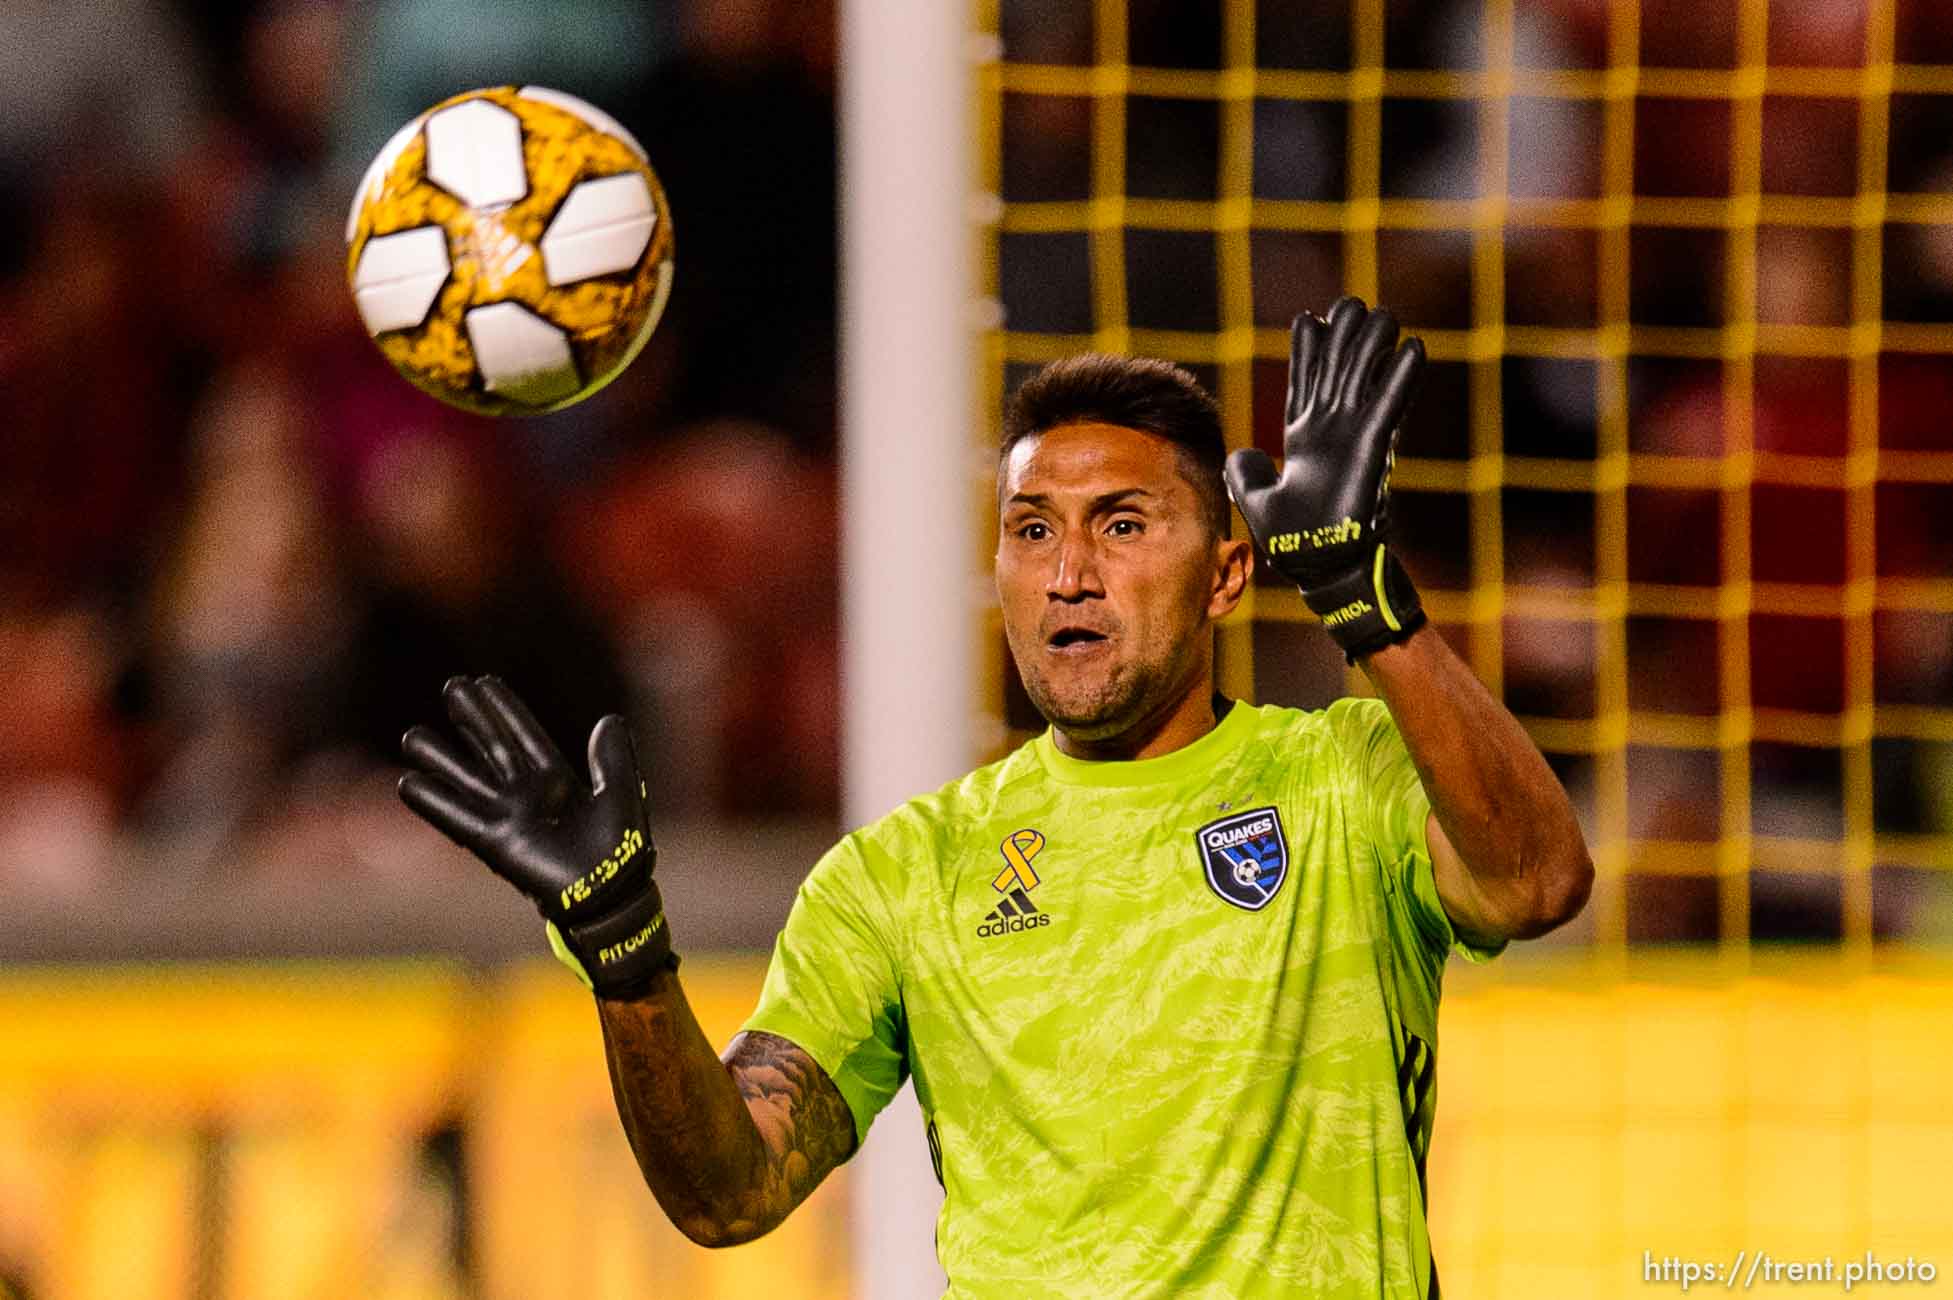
pixel 908 651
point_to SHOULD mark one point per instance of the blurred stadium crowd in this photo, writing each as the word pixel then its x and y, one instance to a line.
pixel 238 555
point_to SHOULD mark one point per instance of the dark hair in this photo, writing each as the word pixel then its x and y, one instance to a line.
pixel 1155 397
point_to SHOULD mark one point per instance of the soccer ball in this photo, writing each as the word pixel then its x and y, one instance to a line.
pixel 510 250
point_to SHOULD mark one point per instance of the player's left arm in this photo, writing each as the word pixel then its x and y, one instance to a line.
pixel 1506 848
pixel 1507 851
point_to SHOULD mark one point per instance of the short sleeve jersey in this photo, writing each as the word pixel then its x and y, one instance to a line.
pixel 1172 1022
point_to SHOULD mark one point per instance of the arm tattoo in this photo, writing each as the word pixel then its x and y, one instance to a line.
pixel 803 1120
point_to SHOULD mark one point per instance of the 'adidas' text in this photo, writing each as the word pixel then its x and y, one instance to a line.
pixel 997 925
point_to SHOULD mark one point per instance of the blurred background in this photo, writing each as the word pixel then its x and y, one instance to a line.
pixel 1679 486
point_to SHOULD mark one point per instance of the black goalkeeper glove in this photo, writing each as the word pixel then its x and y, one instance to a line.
pixel 582 854
pixel 1323 521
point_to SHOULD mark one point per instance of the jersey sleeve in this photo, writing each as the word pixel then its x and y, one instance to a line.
pixel 832 988
pixel 1395 811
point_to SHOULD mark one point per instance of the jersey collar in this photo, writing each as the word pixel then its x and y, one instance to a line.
pixel 1180 763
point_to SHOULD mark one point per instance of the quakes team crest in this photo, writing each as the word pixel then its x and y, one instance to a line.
pixel 1245 856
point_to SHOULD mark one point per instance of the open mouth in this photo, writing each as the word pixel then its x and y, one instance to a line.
pixel 1067 638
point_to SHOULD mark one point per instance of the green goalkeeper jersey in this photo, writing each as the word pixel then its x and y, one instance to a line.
pixel 1172 1022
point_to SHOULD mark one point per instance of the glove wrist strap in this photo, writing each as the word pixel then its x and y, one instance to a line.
pixel 1368 608
pixel 622 951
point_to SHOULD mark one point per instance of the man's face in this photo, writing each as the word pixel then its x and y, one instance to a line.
pixel 1109 576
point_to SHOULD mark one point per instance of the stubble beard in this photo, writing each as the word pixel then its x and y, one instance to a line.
pixel 1101 706
pixel 1092 709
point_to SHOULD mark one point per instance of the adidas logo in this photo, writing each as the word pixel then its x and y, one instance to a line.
pixel 1014 912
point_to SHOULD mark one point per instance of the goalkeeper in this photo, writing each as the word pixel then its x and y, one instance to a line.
pixel 1167 976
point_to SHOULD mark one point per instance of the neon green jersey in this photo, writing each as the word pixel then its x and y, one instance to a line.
pixel 1172 1022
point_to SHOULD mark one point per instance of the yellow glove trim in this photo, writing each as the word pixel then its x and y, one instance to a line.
pixel 564 955
pixel 1383 602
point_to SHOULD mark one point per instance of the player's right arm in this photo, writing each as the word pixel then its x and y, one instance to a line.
pixel 727 1147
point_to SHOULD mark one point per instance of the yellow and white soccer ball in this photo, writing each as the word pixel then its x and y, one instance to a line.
pixel 510 250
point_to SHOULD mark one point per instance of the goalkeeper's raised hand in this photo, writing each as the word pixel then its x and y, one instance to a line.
pixel 582 853
pixel 1323 520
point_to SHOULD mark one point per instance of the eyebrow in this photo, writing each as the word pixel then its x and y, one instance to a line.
pixel 1103 501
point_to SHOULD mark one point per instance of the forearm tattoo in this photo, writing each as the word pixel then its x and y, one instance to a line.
pixel 803 1120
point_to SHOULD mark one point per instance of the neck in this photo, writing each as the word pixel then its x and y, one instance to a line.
pixel 1181 720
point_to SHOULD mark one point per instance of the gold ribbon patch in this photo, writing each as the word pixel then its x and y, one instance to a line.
pixel 1018 848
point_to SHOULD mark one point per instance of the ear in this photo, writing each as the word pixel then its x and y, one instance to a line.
pixel 1234 563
